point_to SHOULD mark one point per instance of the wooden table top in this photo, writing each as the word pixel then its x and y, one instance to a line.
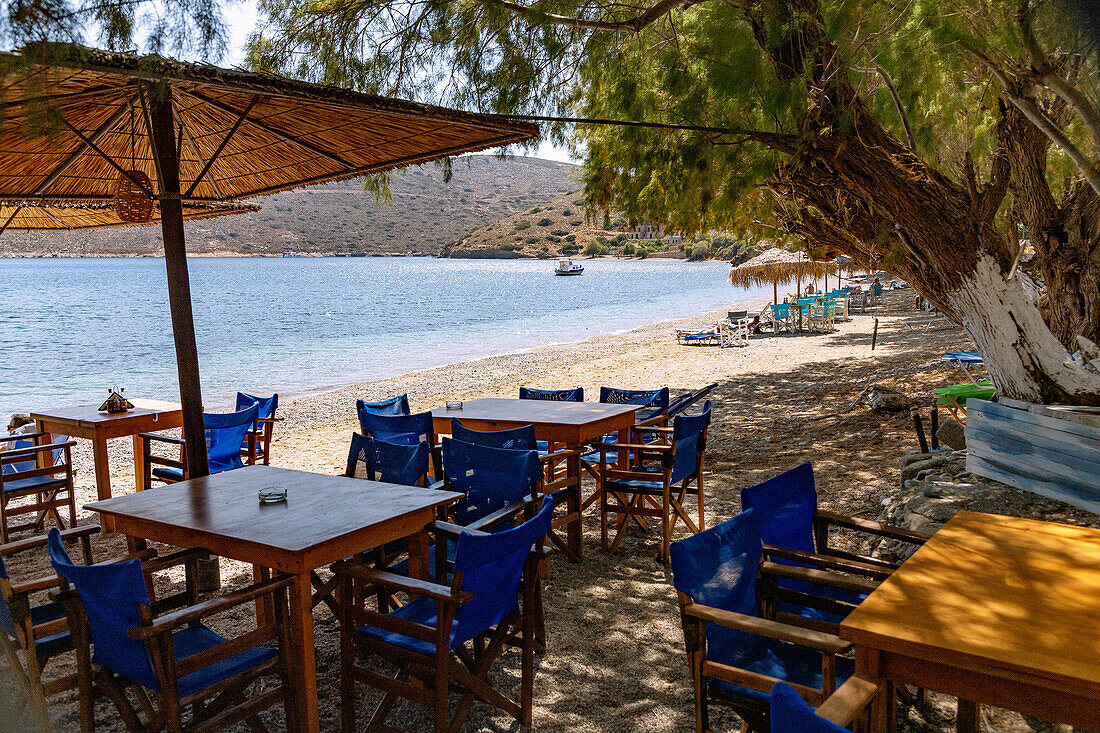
pixel 90 414
pixel 225 507
pixel 534 412
pixel 997 594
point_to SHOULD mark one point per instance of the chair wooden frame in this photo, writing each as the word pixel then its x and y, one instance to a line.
pixel 49 496
pixel 669 509
pixel 793 629
pixel 228 705
pixel 428 679
pixel 18 594
pixel 258 450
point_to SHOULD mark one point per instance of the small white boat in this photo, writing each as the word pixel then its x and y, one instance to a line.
pixel 568 267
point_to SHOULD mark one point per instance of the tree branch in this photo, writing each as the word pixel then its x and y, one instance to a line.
pixel 889 82
pixel 632 25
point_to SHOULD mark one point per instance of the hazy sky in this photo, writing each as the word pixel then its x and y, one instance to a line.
pixel 241 18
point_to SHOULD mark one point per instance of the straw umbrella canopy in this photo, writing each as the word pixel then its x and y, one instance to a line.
pixel 774 266
pixel 99 216
pixel 129 130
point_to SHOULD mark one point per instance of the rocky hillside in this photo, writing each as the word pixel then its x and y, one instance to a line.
pixel 544 231
pixel 342 218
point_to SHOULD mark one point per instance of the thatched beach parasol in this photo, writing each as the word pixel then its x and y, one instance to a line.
pixel 150 135
pixel 776 266
pixel 61 217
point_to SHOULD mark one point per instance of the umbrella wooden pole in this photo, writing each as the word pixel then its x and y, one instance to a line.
pixel 775 291
pixel 163 141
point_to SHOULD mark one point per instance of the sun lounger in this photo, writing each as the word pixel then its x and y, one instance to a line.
pixel 698 337
pixel 970 362
pixel 954 397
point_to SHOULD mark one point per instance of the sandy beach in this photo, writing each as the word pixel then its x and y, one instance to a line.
pixel 615 658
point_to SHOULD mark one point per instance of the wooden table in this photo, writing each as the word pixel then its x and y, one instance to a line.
pixel 324 519
pixel 88 422
pixel 993 610
pixel 571 424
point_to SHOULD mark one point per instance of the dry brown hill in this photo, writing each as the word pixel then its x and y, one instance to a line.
pixel 341 218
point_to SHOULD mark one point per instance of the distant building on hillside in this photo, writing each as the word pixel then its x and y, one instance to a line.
pixel 646 230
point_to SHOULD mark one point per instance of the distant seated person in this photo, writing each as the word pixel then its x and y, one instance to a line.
pixel 18 425
pixel 810 289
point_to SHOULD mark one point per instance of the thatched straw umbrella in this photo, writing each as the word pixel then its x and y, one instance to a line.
pixel 776 266
pixel 147 134
pixel 63 217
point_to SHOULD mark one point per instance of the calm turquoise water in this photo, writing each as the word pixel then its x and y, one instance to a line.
pixel 70 328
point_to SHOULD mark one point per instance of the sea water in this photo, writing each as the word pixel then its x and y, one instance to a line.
pixel 71 328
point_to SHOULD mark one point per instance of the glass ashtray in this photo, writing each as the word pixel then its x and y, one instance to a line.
pixel 454 405
pixel 272 494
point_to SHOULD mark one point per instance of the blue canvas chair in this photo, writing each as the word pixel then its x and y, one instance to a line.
pixel 849 704
pixel 796 532
pixel 403 430
pixel 376 460
pixel 27 490
pixel 257 442
pixel 121 643
pixel 449 635
pixel 497 483
pixel 396 405
pixel 729 637
pixel 564 486
pixel 779 314
pixel 39 627
pixel 553 395
pixel 225 433
pixel 656 491
pixel 655 404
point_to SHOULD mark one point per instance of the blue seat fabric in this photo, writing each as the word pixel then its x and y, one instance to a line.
pixel 655 400
pixel 791 714
pixel 390 462
pixel 47 646
pixel 785 506
pixel 717 568
pixel 34 482
pixel 491 567
pixel 552 395
pixel 267 405
pixel 521 438
pixel 111 595
pixel 397 405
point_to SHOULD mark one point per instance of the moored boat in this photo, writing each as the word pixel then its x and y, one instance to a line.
pixel 568 267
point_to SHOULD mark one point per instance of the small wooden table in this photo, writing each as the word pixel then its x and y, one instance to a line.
pixel 324 519
pixel 572 424
pixel 993 610
pixel 88 422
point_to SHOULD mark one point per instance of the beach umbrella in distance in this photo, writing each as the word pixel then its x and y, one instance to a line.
pixel 776 265
pixel 145 134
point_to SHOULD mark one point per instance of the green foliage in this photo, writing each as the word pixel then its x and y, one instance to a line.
pixel 570 249
pixel 628 249
pixel 570 237
pixel 559 232
pixel 567 212
pixel 595 248
pixel 545 222
pixel 576 223
pixel 531 240
pixel 521 225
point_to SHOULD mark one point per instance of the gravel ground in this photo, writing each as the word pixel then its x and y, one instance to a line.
pixel 615 658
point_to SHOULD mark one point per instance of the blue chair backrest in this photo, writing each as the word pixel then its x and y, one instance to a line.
pixel 553 395
pixel 490 478
pixel 521 438
pixel 688 437
pixel 267 405
pixel 717 568
pixel 808 301
pixel 492 568
pixel 785 508
pixel 398 405
pixel 968 357
pixel 224 435
pixel 654 399
pixel 791 714
pixel 401 429
pixel 390 462
pixel 110 594
pixel 781 310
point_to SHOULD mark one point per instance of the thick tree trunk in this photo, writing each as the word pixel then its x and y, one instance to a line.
pixel 861 190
